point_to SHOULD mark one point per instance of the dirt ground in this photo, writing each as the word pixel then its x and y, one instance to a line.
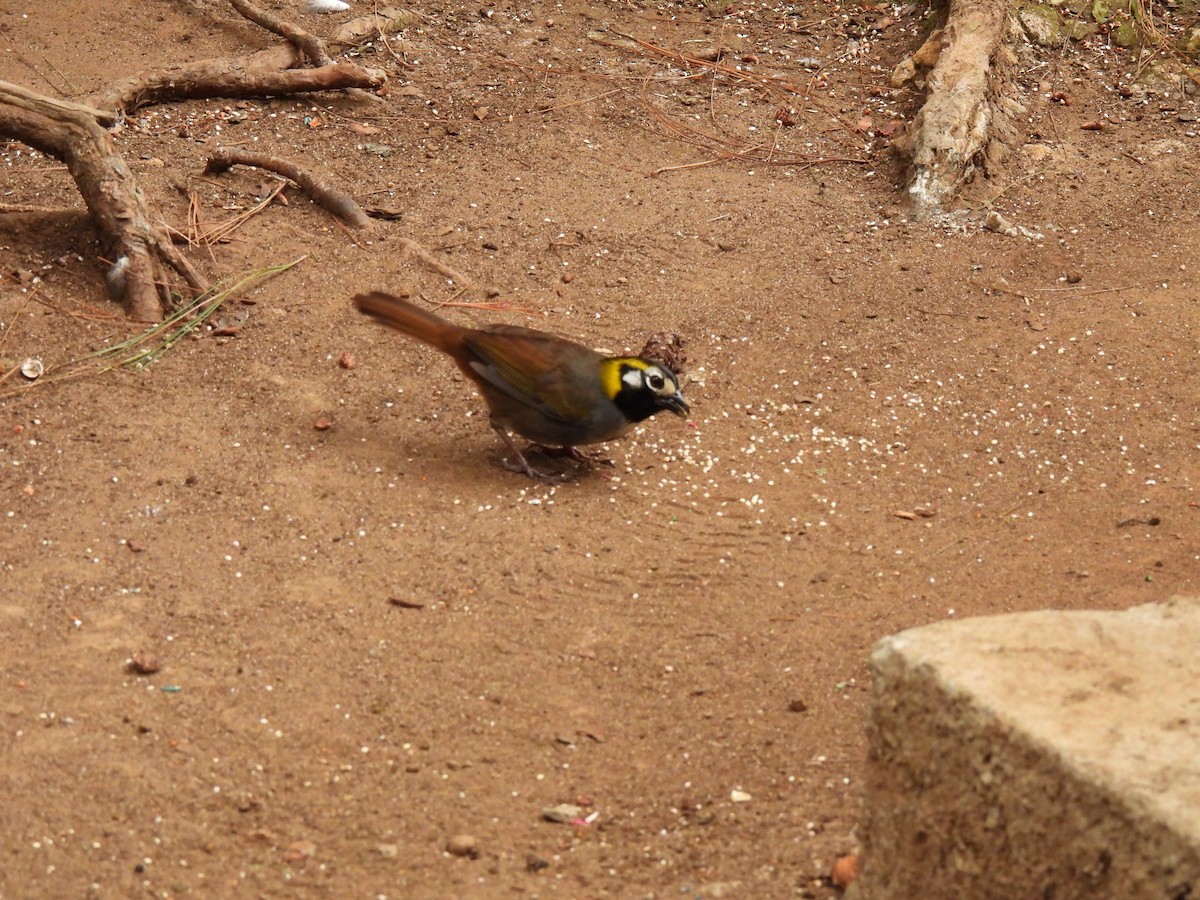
pixel 893 423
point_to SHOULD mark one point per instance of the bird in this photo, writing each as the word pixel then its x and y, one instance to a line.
pixel 546 388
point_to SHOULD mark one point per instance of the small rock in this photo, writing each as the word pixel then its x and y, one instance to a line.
pixel 739 796
pixel 535 863
pixel 1038 152
pixel 905 71
pixel 389 851
pixel 322 424
pixel 464 845
pixel 797 706
pixel 347 361
pixel 1040 28
pixel 144 663
pixel 563 814
pixel 299 851
pixel 845 870
pixel 997 223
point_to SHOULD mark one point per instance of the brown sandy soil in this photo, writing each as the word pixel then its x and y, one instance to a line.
pixel 893 423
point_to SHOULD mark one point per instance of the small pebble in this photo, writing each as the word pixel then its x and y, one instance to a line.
pixel 298 851
pixel 535 863
pixel 322 424
pixel 346 360
pixel 144 663
pixel 845 870
pixel 563 813
pixel 464 845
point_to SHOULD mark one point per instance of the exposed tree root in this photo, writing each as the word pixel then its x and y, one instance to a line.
pixel 139 252
pixel 327 197
pixel 965 119
pixel 206 78
pixel 140 255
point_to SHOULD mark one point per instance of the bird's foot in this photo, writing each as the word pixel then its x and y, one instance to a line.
pixel 574 453
pixel 523 467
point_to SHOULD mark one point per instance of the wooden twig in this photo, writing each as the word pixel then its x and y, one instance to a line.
pixel 329 198
pixel 222 230
pixel 412 248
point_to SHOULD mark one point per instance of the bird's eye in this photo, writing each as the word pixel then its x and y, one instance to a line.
pixel 656 381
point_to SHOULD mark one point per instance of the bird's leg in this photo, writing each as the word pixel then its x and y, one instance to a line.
pixel 522 464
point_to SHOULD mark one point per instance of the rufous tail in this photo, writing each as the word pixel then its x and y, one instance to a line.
pixel 411 319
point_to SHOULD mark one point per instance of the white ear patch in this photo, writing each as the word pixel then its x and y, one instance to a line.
pixel 632 378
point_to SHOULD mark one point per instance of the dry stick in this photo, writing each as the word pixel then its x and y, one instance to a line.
pixel 662 170
pixel 94 316
pixel 221 231
pixel 328 198
pixel 746 152
pixel 770 85
pixel 412 248
pixel 12 323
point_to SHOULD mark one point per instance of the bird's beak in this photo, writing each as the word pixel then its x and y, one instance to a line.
pixel 677 404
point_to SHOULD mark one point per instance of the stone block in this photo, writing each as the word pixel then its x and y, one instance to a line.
pixel 1047 755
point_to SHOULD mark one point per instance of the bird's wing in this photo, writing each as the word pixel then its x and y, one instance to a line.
pixel 527 365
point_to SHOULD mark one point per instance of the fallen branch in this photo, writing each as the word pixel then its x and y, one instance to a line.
pixel 139 253
pixel 329 198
